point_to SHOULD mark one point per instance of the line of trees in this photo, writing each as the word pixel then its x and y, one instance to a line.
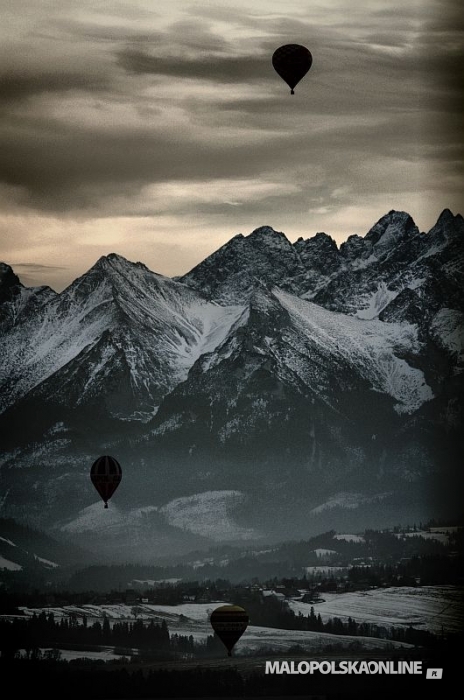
pixel 42 630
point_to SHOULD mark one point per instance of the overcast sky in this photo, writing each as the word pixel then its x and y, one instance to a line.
pixel 159 129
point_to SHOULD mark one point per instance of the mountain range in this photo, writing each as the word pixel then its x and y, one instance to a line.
pixel 276 389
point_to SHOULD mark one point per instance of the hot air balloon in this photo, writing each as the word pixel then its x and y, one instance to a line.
pixel 292 62
pixel 229 622
pixel 106 475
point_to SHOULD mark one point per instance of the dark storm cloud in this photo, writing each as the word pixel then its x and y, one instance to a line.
pixel 18 86
pixel 206 67
pixel 361 101
pixel 62 167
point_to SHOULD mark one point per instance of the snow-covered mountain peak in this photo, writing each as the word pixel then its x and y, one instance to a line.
pixel 399 221
pixel 319 253
pixel 264 230
pixel 115 263
pixel 447 228
pixel 267 234
pixel 230 274
pixel 447 217
pixel 354 247
pixel 115 278
pixel 320 241
pixel 390 231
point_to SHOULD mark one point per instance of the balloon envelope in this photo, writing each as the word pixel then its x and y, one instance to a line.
pixel 229 622
pixel 292 62
pixel 106 475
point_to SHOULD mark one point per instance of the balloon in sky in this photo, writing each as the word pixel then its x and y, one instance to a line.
pixel 292 62
pixel 106 475
pixel 229 622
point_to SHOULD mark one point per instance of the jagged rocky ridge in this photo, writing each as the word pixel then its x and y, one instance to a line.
pixel 303 380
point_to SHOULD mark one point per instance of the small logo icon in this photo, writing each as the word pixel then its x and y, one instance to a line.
pixel 434 673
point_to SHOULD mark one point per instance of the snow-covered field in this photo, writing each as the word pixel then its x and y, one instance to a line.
pixel 193 619
pixel 263 638
pixel 430 608
pixel 426 608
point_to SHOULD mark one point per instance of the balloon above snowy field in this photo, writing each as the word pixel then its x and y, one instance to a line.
pixel 229 622
pixel 292 62
pixel 106 475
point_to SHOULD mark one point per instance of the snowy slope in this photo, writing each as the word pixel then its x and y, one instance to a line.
pixel 208 514
pixel 118 320
pixel 17 302
pixel 372 349
pixel 427 607
pixel 307 345
pixel 10 565
pixel 447 328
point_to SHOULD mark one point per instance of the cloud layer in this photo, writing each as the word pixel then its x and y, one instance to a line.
pixel 165 131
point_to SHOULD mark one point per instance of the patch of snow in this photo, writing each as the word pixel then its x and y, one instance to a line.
pixel 168 425
pixel 208 514
pixel 361 264
pixel 264 638
pixel 95 517
pixel 433 250
pixel 447 327
pixel 10 565
pixel 324 569
pixel 324 552
pixel 153 583
pixel 98 518
pixel 8 541
pixel 274 594
pixel 347 500
pixel 47 562
pixel 376 302
pixel 350 538
pixel 416 282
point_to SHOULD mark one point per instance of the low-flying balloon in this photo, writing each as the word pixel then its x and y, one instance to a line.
pixel 229 622
pixel 292 62
pixel 106 475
